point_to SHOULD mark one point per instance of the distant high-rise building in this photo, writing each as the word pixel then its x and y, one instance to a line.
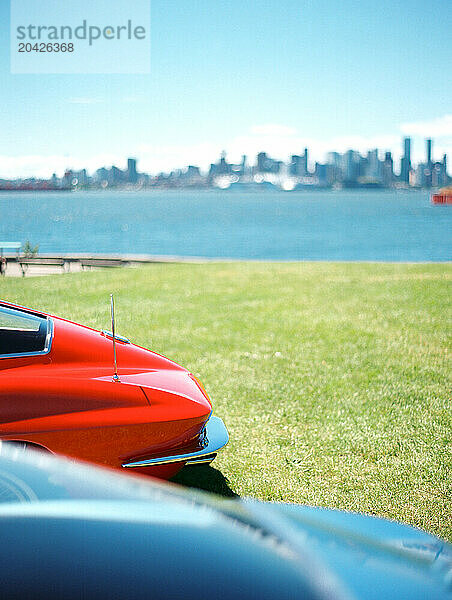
pixel 220 168
pixel 296 165
pixel 439 173
pixel 373 166
pixel 388 170
pixel 101 175
pixel 406 161
pixel 407 148
pixel 299 164
pixel 68 178
pixel 193 171
pixel 82 177
pixel 116 176
pixel 262 161
pixel 428 147
pixel 350 166
pixel 223 167
pixel 428 173
pixel 334 171
pixel 321 172
pixel 304 162
pixel 191 177
pixel 132 175
pixel 265 164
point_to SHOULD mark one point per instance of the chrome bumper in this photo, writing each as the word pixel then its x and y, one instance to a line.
pixel 214 437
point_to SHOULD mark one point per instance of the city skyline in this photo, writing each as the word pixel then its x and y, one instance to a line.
pixel 375 169
pixel 280 141
pixel 273 76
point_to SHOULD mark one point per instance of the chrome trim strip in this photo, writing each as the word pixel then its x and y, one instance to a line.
pixel 201 460
pixel 120 338
pixel 216 437
pixel 47 347
pixel 11 306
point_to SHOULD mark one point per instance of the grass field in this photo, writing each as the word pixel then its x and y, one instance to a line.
pixel 334 380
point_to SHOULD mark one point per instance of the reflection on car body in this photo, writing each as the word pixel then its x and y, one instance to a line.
pixel 70 530
pixel 59 391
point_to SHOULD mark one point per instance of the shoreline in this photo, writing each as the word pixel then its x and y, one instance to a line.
pixel 173 258
pixel 45 263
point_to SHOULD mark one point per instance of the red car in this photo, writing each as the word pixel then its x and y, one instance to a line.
pixel 60 390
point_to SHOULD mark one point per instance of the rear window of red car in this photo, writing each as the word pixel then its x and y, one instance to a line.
pixel 22 332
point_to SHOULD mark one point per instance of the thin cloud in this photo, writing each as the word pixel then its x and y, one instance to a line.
pixel 43 166
pixel 437 128
pixel 279 141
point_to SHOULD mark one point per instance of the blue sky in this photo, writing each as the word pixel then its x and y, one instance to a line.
pixel 244 77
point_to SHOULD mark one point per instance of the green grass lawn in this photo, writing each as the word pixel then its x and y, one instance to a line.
pixel 334 380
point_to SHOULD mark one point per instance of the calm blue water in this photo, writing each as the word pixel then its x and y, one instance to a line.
pixel 332 225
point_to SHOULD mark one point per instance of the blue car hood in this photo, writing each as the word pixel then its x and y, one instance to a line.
pixel 87 531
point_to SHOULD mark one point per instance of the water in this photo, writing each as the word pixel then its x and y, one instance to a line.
pixel 309 225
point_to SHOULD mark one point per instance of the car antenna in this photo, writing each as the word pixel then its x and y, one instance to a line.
pixel 112 305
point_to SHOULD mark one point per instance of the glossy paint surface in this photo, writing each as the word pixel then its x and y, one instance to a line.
pixel 75 531
pixel 67 402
